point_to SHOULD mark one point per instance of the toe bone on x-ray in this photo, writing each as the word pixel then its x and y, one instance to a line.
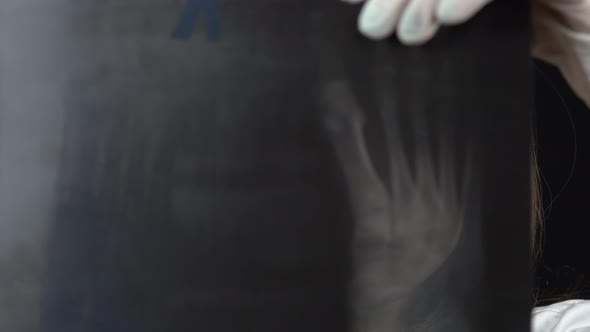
pixel 402 234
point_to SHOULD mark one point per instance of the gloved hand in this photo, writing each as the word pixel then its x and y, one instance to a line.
pixel 561 29
pixel 562 38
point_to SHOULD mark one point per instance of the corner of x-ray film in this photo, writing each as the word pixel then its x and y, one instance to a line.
pixel 405 230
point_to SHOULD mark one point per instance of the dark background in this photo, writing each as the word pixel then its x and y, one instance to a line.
pixel 563 123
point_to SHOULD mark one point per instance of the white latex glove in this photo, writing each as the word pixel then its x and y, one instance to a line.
pixel 562 38
pixel 561 29
pixel 415 21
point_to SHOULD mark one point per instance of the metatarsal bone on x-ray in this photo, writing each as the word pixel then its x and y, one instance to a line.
pixel 401 238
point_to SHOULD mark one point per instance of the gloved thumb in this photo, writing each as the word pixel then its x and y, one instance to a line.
pixel 562 38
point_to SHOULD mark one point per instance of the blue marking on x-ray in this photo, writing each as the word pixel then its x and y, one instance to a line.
pixel 190 14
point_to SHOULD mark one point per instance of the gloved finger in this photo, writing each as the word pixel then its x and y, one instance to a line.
pixel 450 12
pixel 378 18
pixel 572 14
pixel 418 23
pixel 563 39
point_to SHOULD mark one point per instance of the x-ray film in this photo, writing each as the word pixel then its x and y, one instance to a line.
pixel 234 166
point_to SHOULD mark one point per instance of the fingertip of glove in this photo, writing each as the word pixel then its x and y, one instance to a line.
pixel 416 39
pixel 375 23
pixel 448 12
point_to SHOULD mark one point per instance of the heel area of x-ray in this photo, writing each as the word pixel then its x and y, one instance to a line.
pixel 407 224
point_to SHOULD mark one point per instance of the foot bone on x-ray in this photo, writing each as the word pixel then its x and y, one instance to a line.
pixel 404 234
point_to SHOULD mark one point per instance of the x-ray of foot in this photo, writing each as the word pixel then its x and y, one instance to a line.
pixel 403 232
